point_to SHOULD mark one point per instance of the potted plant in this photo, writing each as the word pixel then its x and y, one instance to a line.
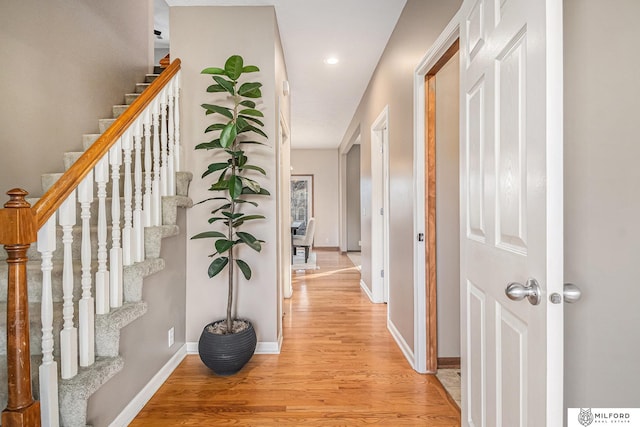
pixel 226 345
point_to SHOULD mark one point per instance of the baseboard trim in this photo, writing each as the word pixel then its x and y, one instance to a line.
pixel 366 290
pixel 268 347
pixel 399 339
pixel 135 406
pixel 448 363
pixel 263 347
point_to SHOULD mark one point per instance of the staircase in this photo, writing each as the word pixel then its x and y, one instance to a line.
pixel 91 257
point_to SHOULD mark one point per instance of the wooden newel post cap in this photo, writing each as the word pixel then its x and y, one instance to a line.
pixel 17 221
pixel 17 199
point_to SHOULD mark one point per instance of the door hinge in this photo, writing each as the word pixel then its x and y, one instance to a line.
pixel 382 273
pixel 420 237
pixel 381 211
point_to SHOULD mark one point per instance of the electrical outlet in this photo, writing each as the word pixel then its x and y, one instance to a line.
pixel 171 336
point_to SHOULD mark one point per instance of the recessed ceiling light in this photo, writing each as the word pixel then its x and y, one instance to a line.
pixel 332 60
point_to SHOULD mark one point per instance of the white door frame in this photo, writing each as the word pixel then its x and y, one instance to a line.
pixel 380 192
pixel 446 39
pixel 343 150
pixel 283 218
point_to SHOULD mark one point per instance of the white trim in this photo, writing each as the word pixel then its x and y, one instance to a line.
pixel 269 347
pixel 263 347
pixel 439 47
pixel 366 290
pixel 399 339
pixel 137 403
pixel 379 173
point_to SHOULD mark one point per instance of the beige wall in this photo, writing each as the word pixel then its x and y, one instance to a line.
pixel 392 83
pixel 64 64
pixel 448 208
pixel 203 37
pixel 602 204
pixel 323 165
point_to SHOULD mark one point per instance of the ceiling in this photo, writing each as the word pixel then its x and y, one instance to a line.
pixel 323 97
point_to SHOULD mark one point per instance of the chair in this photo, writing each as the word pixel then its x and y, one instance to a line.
pixel 306 240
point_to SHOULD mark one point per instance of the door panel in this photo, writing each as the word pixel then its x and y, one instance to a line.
pixel 511 184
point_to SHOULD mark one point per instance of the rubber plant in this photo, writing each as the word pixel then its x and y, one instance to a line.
pixel 237 125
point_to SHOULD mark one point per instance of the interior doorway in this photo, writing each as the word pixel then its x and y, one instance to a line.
pixel 380 208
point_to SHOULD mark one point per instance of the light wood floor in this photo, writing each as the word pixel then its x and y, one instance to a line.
pixel 339 366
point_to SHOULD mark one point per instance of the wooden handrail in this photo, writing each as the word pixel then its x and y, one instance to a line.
pixel 53 198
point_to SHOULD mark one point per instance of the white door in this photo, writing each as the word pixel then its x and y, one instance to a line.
pixel 511 211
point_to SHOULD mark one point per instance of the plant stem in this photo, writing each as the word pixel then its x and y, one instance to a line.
pixel 234 147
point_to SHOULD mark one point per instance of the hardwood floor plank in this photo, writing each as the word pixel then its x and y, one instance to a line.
pixel 339 366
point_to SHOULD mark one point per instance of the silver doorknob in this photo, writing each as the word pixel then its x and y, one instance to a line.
pixel 571 293
pixel 531 290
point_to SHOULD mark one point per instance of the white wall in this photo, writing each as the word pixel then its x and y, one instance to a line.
pixel 64 64
pixel 323 165
pixel 420 23
pixel 203 37
pixel 602 202
pixel 448 208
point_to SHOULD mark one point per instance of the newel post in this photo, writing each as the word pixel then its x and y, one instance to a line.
pixel 17 231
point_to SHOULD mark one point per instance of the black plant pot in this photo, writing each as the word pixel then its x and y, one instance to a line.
pixel 227 354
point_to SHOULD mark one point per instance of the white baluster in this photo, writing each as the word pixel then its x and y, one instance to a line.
pixel 49 368
pixel 69 334
pixel 146 199
pixel 138 226
pixel 102 275
pixel 115 255
pixel 127 255
pixel 156 205
pixel 86 308
pixel 177 151
pixel 171 173
pixel 163 144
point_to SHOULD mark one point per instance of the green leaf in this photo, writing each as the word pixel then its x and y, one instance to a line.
pixel 250 128
pixel 235 186
pixel 213 167
pixel 215 126
pixel 208 235
pixel 253 185
pixel 253 119
pixel 256 93
pixel 209 145
pixel 247 201
pixel 252 112
pixel 217 265
pixel 226 84
pixel 255 168
pixel 226 206
pixel 228 135
pixel 223 245
pixel 248 103
pixel 263 192
pixel 242 124
pixel 250 69
pixel 215 88
pixel 249 87
pixel 251 241
pixel 217 218
pixel 233 67
pixel 220 185
pixel 212 70
pixel 252 142
pixel 233 215
pixel 251 217
pixel 244 267
pixel 218 109
pixel 242 160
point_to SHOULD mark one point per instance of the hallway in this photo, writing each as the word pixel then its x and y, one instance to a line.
pixel 338 366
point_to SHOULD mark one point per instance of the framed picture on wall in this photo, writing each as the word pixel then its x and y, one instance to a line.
pixel 301 200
